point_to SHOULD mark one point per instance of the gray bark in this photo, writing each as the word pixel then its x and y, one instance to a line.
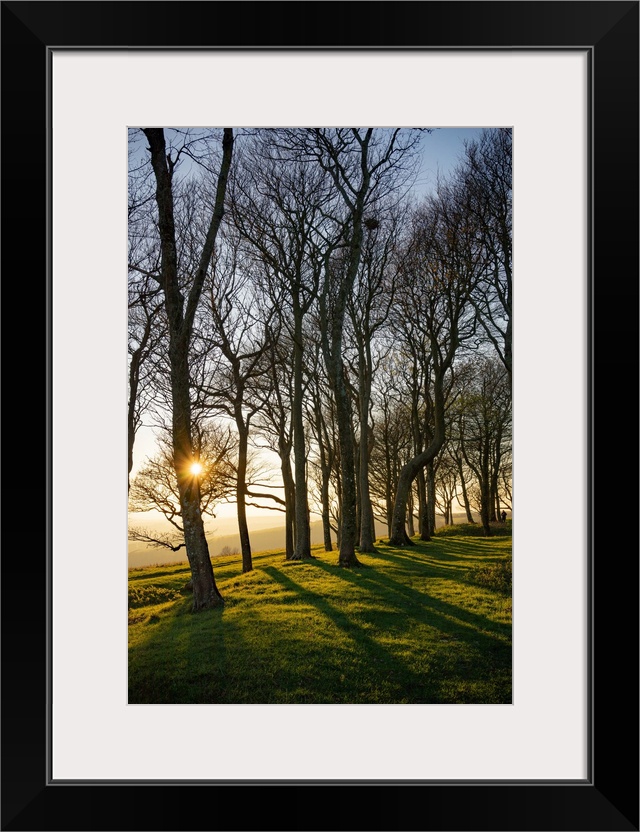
pixel 205 591
pixel 302 549
pixel 367 535
pixel 241 490
pixel 463 488
pixel 411 528
pixel 423 513
pixel 290 499
pixel 409 471
pixel 431 496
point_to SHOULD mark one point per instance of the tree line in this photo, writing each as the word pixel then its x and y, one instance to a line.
pixel 287 290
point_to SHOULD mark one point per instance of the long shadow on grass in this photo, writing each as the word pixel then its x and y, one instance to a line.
pixel 431 549
pixel 165 667
pixel 453 563
pixel 469 550
pixel 223 566
pixel 447 549
pixel 425 560
pixel 466 625
pixel 411 682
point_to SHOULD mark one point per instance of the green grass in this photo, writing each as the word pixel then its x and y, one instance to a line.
pixel 427 624
pixel 475 530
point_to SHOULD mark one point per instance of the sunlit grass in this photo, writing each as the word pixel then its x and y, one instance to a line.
pixel 413 626
pixel 475 530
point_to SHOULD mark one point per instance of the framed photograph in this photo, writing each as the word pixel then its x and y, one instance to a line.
pixel 563 78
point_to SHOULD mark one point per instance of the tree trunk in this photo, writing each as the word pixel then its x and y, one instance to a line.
pixel 348 528
pixel 326 455
pixel 134 379
pixel 326 520
pixel 288 533
pixel 495 479
pixel 289 499
pixel 423 513
pixel 409 471
pixel 347 533
pixel 205 591
pixel 411 529
pixel 338 486
pixel 485 498
pixel 485 491
pixel 137 357
pixel 431 497
pixel 465 496
pixel 302 549
pixel 332 346
pixel 367 535
pixel 388 489
pixel 241 489
pixel 399 536
pixel 356 478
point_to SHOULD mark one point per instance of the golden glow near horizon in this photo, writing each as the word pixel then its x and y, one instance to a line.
pixel 196 469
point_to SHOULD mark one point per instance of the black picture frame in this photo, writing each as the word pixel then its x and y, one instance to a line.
pixel 608 799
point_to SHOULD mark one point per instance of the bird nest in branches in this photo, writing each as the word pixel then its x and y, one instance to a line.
pixel 371 223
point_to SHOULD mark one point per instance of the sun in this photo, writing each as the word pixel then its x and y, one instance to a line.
pixel 196 469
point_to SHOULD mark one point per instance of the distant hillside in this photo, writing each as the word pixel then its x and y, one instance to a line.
pixel 261 540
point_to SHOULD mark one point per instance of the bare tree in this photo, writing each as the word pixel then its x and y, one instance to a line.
pixel 368 309
pixel 463 479
pixel 145 296
pixel 392 447
pixel 238 337
pixel 365 166
pixel 485 410
pixel 181 312
pixel 446 479
pixel 415 372
pixel 272 395
pixel 279 208
pixel 145 337
pixel 320 417
pixel 485 177
pixel 155 486
pixel 440 267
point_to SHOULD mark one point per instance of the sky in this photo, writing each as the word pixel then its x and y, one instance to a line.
pixel 442 149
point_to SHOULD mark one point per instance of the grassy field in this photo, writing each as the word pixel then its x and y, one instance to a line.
pixel 429 624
